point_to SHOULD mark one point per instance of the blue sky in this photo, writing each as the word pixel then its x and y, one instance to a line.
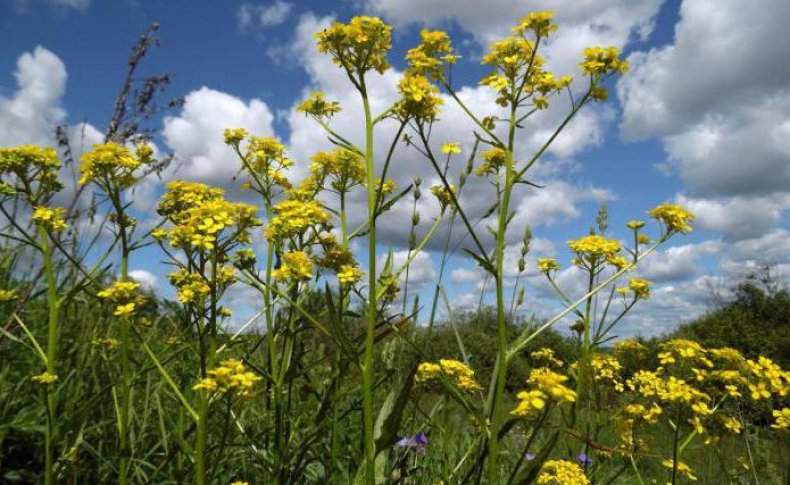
pixel 700 119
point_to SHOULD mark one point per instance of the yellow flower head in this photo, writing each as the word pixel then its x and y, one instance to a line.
pixel 538 22
pixel 45 378
pixel 562 472
pixel 50 218
pixel 113 163
pixel 599 61
pixel 231 377
pixel 443 195
pixel 451 147
pixel 432 55
pixel 31 165
pixel 296 266
pixel 318 107
pixel 420 99
pixel 546 265
pixel 358 46
pixel 674 217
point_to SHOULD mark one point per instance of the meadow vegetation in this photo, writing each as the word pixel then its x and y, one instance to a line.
pixel 347 380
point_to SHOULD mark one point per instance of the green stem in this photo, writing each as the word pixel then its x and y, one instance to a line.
pixel 367 367
pixel 499 253
pixel 52 342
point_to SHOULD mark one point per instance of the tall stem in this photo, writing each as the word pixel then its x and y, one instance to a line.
pixel 52 340
pixel 367 367
pixel 499 254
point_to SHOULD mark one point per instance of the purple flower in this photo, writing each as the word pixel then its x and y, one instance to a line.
pixel 584 460
pixel 529 456
pixel 417 442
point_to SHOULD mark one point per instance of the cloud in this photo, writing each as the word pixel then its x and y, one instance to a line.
pixel 148 281
pixel 739 217
pixel 32 112
pixel 582 23
pixel 263 16
pixel 196 134
pixel 719 97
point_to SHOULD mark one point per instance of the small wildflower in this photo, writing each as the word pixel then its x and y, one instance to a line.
pixel 45 378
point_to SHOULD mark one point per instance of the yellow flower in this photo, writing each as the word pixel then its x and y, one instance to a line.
pixel 451 147
pixel 640 287
pixel 124 310
pixel 231 377
pixel 682 468
pixel 293 217
pixel 781 419
pixel 538 22
pixel 420 99
pixel 357 46
pixel 546 354
pixel 443 195
pixel 552 384
pixel 296 265
pixel 590 250
pixel 429 58
pixel 49 218
pixel 457 372
pixel 599 61
pixel 546 265
pixel 45 378
pixel 562 472
pixel 673 216
pixel 530 403
pixel 124 295
pixel 240 482
pixel 317 106
pixel 349 274
pixel 234 136
pixel 493 160
pixel 31 165
pixel 7 295
pixel 113 163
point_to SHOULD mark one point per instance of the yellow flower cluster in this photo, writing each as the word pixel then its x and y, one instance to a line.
pixel 444 195
pixel 357 46
pixel 296 266
pixel 30 164
pixel 45 378
pixel 457 372
pixel 529 404
pixel 125 297
pixel 562 472
pixel 599 61
pixel 342 167
pixel 451 147
pixel 181 196
pixel 674 217
pixel 432 55
pixel 781 419
pixel 7 295
pixel 493 160
pixel 683 469
pixel 546 354
pixel 231 377
pixel 264 157
pixel 349 274
pixel 49 218
pixel 546 265
pixel 591 250
pixel 293 217
pixel 190 287
pixel 640 287
pixel 113 163
pixel 317 106
pixel 420 99
pixel 537 22
pixel 607 368
pixel 548 386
